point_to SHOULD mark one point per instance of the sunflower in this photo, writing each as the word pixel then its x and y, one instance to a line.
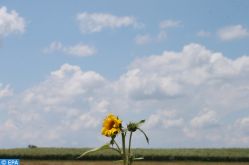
pixel 111 126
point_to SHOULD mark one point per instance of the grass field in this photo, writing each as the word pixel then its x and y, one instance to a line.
pixel 112 163
pixel 208 155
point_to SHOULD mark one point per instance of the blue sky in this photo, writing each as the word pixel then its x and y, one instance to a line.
pixel 182 65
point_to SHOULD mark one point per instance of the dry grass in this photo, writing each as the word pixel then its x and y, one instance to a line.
pixel 113 163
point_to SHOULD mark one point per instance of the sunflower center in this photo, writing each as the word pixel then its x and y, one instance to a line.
pixel 110 125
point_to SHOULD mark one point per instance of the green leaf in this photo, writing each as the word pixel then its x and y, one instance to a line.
pixel 138 124
pixel 146 137
pixel 106 146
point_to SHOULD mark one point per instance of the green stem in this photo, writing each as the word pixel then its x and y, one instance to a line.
pixel 117 145
pixel 129 150
pixel 124 150
pixel 114 149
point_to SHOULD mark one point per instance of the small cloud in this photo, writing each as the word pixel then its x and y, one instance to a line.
pixel 96 22
pixel 10 22
pixel 143 39
pixel 203 33
pixel 80 49
pixel 5 91
pixel 165 24
pixel 147 39
pixel 230 33
pixel 53 47
pixel 161 36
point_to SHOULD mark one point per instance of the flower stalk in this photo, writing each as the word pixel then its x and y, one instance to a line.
pixel 112 127
pixel 124 150
pixel 117 146
pixel 129 150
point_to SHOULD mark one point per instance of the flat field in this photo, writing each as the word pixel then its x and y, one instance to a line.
pixel 208 155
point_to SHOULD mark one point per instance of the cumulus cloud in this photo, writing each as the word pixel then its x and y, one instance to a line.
pixel 165 118
pixel 64 85
pixel 189 98
pixel 80 50
pixel 165 24
pixel 233 32
pixel 201 85
pixel 65 103
pixel 10 22
pixel 206 118
pixel 96 22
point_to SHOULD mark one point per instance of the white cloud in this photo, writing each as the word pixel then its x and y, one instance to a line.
pixel 64 85
pixel 83 121
pixel 233 32
pixel 165 24
pixel 140 85
pixel 143 39
pixel 161 35
pixel 165 119
pixel 206 118
pixel 5 90
pixel 189 98
pixel 237 132
pixel 10 22
pixel 96 22
pixel 147 39
pixel 203 33
pixel 101 106
pixel 80 50
pixel 188 81
pixel 55 108
pixel 243 125
pixel 53 47
pixel 193 65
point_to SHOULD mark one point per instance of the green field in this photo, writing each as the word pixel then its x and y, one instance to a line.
pixel 208 155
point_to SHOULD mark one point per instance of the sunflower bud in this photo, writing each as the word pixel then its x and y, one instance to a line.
pixel 132 127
